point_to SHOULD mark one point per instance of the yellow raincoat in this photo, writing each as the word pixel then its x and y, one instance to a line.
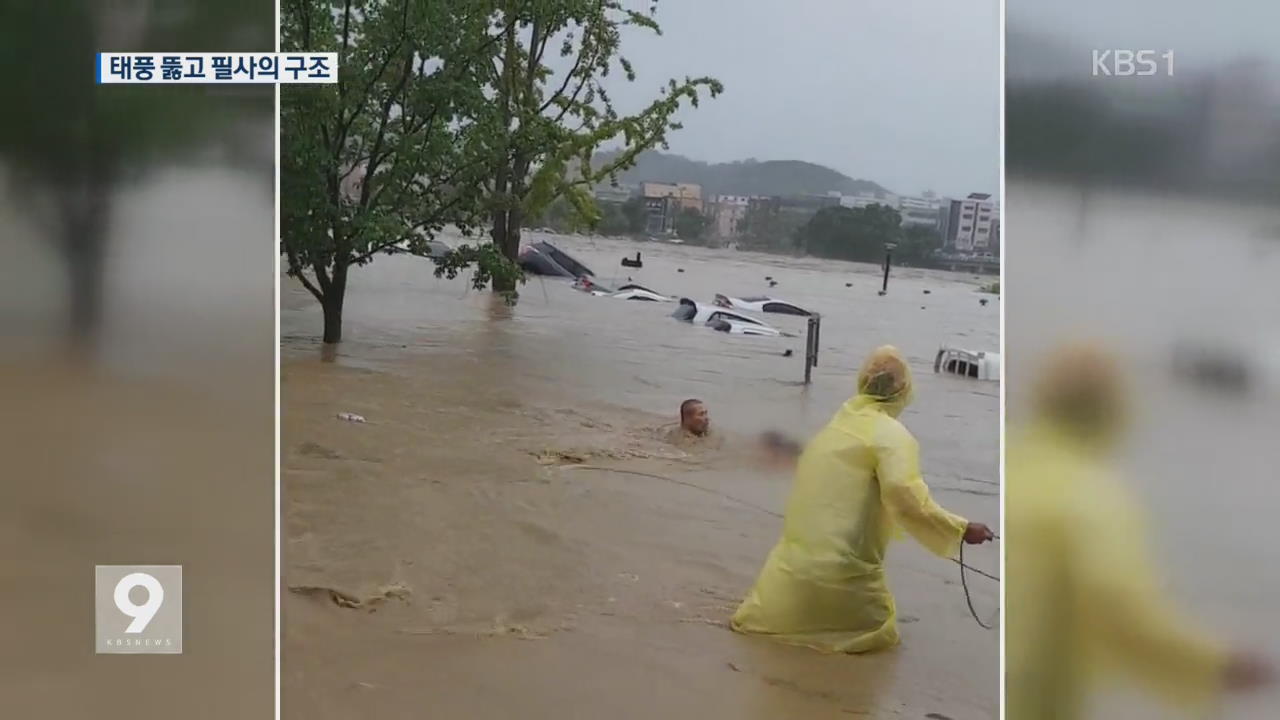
pixel 856 484
pixel 1081 597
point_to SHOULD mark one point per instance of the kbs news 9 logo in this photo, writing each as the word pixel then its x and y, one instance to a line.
pixel 138 608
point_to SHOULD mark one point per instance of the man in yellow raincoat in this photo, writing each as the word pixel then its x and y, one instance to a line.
pixel 856 483
pixel 1081 597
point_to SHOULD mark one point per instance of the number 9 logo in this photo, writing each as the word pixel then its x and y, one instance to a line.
pixel 141 614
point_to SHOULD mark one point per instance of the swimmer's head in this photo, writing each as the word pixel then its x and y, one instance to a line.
pixel 694 417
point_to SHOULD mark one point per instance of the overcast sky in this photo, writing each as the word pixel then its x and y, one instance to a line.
pixel 902 92
pixel 1201 34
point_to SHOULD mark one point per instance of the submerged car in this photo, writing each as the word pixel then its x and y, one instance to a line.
pixel 543 258
pixel 761 303
pixel 629 291
pixel 966 363
pixel 1228 367
pixel 723 320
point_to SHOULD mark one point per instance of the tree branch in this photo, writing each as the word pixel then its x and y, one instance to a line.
pixel 295 270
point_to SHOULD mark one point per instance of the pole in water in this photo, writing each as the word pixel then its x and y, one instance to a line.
pixel 810 349
pixel 888 257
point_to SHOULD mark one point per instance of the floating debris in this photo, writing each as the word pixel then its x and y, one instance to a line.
pixel 349 600
pixel 351 417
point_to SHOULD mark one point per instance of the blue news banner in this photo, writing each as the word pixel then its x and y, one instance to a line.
pixel 229 68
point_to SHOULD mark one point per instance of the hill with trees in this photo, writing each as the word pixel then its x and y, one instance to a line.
pixel 744 177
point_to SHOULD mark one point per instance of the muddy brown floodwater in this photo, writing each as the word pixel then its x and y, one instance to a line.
pixel 444 560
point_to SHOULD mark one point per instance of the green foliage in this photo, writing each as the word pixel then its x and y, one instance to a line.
pixel 69 143
pixel 72 127
pixel 613 219
pixel 634 211
pixel 452 114
pixel 770 226
pixel 381 160
pixel 547 124
pixel 918 246
pixel 487 264
pixel 857 234
pixel 691 225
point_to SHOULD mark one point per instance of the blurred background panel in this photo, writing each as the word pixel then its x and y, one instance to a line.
pixel 136 357
pixel 1141 212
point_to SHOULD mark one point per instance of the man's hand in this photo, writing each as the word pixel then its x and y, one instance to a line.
pixel 977 533
pixel 1247 672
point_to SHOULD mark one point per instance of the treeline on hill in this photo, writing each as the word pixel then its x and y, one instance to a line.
pixel 861 234
pixel 616 219
pixel 742 177
pixel 838 233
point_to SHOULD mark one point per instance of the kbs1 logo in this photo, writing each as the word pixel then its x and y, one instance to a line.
pixel 138 609
pixel 1132 63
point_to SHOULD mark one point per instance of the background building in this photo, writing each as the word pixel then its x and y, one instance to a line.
pixel 726 212
pixel 924 211
pixel 663 201
pixel 971 226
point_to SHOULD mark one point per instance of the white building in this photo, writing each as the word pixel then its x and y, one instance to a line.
pixel 971 226
pixel 726 212
pixel 924 211
pixel 862 200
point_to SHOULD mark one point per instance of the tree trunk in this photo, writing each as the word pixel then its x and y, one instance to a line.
pixel 84 239
pixel 506 236
pixel 332 321
pixel 332 305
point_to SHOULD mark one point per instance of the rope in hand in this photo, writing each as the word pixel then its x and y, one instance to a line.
pixel 964 581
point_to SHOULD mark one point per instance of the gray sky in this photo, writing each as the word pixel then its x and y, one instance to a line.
pixel 902 92
pixel 1201 34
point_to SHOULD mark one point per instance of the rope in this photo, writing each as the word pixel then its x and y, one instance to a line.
pixel 964 583
pixel 964 580
pixel 673 481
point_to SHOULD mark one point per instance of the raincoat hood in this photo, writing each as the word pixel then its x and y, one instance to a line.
pixel 1081 395
pixel 884 381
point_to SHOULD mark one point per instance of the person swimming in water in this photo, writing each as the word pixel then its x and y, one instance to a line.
pixel 695 425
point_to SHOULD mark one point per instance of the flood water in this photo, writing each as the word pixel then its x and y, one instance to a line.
pixel 510 574
pixel 1147 275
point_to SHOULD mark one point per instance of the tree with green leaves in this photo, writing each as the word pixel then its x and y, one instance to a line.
pixel 613 219
pixel 388 156
pixel 550 117
pixel 857 234
pixel 635 213
pixel 70 144
pixel 918 245
pixel 691 225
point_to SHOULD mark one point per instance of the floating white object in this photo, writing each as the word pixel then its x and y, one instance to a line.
pixel 724 320
pixel 967 363
pixel 351 417
pixel 761 303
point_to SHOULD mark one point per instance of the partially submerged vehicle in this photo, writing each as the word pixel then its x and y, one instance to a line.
pixel 543 258
pixel 967 363
pixel 1227 367
pixel 722 320
pixel 429 248
pixel 761 303
pixel 629 291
